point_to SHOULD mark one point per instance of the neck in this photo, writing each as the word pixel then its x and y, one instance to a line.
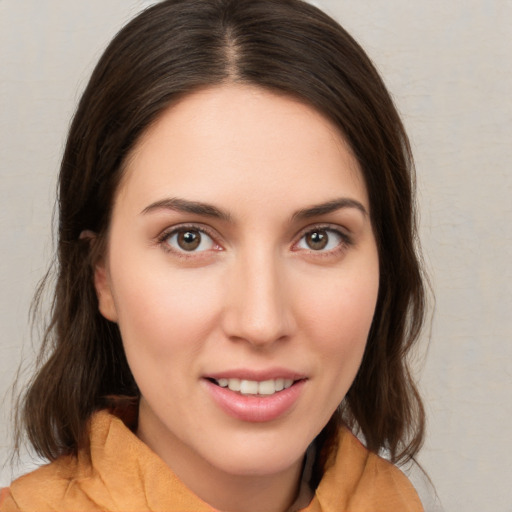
pixel 247 493
pixel 224 491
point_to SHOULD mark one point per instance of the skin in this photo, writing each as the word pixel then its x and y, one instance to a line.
pixel 256 295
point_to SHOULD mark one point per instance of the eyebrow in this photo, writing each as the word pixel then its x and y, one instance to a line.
pixel 208 210
pixel 329 207
pixel 183 205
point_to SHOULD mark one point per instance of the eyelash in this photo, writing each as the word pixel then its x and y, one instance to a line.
pixel 164 237
pixel 345 240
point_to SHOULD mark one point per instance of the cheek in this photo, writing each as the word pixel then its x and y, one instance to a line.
pixel 161 311
pixel 339 315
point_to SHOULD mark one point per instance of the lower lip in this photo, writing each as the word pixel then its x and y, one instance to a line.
pixel 255 409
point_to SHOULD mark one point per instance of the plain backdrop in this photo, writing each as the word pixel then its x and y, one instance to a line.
pixel 449 67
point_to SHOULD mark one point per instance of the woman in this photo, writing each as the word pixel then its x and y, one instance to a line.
pixel 238 285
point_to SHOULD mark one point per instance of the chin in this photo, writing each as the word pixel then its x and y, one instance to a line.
pixel 259 455
pixel 258 464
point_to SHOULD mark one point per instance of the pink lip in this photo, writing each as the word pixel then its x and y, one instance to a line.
pixel 256 409
pixel 259 375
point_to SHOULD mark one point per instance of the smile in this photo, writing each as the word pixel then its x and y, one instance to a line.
pixel 255 400
pixel 254 387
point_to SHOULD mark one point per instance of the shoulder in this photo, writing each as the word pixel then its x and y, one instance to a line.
pixel 5 496
pixel 96 479
pixel 361 481
pixel 42 488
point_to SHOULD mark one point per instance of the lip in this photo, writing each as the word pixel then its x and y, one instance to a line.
pixel 259 375
pixel 251 408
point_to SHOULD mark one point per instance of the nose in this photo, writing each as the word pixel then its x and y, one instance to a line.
pixel 258 306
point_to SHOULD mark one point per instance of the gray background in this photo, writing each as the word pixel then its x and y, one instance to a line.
pixel 449 66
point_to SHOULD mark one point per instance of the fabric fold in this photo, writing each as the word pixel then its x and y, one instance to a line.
pixel 123 474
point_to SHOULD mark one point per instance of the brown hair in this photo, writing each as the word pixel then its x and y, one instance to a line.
pixel 166 52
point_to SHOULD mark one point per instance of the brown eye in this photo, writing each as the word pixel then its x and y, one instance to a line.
pixel 322 240
pixel 317 240
pixel 189 240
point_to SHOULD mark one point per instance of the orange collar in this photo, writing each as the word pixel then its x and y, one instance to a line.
pixel 124 474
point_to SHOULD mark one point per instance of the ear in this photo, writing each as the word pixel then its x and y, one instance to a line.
pixel 106 304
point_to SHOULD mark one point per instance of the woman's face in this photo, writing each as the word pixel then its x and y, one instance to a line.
pixel 241 261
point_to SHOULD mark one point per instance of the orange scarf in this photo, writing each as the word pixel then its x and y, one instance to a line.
pixel 125 475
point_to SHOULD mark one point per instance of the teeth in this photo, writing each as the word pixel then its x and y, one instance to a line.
pixel 249 387
pixel 234 384
pixel 267 387
pixel 253 387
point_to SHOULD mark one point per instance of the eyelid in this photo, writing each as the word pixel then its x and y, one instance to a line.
pixel 201 228
pixel 343 233
pixel 347 240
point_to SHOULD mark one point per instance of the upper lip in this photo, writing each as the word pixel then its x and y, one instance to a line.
pixel 256 375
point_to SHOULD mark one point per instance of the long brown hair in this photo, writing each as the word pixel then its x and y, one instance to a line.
pixel 166 52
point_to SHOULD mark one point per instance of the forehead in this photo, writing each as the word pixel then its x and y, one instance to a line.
pixel 242 141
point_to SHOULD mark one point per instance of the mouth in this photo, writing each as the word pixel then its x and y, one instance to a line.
pixel 253 387
pixel 257 398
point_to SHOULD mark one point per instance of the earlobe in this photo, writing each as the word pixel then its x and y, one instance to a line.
pixel 103 288
pixel 102 285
